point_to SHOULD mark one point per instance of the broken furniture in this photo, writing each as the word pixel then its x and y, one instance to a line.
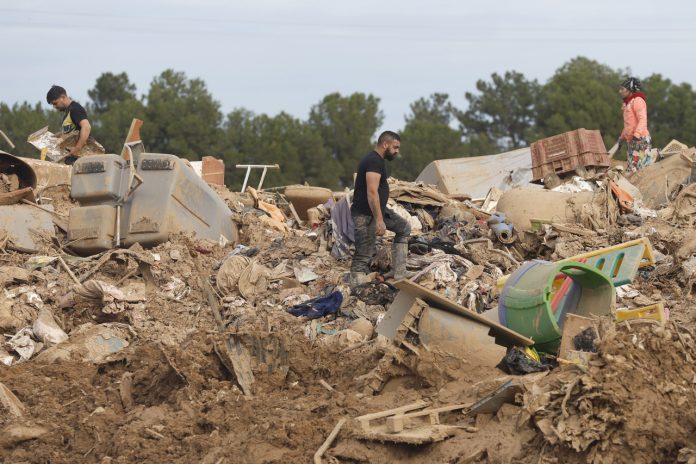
pixel 525 303
pixel 418 315
pixel 618 262
pixel 418 423
pixel 249 167
pixel 402 425
pixel 142 200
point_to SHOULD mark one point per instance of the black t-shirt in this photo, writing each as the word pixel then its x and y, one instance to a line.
pixel 72 117
pixel 370 163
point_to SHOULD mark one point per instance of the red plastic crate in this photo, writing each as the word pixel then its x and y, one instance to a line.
pixel 566 152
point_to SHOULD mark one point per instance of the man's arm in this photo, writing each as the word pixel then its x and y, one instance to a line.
pixel 373 179
pixel 85 129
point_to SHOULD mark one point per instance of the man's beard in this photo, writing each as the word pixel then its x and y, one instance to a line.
pixel 389 156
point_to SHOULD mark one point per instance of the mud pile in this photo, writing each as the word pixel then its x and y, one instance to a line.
pixel 190 352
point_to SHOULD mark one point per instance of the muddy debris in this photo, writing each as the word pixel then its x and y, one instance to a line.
pixel 258 351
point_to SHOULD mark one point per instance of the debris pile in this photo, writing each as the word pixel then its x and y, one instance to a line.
pixel 535 326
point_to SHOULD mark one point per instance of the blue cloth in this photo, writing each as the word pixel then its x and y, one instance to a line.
pixel 318 307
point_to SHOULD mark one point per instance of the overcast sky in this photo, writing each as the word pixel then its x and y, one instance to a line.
pixel 273 55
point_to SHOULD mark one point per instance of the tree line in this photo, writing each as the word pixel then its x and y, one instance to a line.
pixel 504 112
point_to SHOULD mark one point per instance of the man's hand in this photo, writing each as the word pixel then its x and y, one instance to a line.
pixel 381 227
pixel 75 151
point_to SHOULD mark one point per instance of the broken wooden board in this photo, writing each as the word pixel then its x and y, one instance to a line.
pixel 406 297
pixel 364 421
pixel 235 357
pixel 403 421
pixel 497 398
pixel 417 436
pixel 572 326
pixel 132 136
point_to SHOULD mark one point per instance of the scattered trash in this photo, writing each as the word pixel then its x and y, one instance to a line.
pixel 518 361
pixel 318 307
pixel 90 343
pixel 23 344
pixel 46 330
pixel 238 321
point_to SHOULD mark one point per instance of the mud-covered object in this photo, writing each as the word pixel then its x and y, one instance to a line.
pixel 318 307
pixel 585 340
pixel 373 293
pixel 517 362
pixel 422 245
pixel 227 277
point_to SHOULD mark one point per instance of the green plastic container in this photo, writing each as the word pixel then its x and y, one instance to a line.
pixel 525 302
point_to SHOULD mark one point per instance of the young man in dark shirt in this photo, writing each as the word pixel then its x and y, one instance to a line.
pixel 74 119
pixel 371 217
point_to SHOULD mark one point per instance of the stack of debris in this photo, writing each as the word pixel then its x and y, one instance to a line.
pixel 535 325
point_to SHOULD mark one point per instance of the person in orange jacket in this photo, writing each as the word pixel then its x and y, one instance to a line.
pixel 635 132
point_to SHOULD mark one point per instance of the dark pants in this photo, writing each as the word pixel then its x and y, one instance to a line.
pixel 366 237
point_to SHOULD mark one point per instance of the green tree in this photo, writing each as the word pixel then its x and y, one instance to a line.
pixel 109 90
pixel 113 106
pixel 502 111
pixel 21 120
pixel 182 118
pixel 427 136
pixel 581 94
pixel 282 139
pixel 347 126
pixel 671 111
pixel 113 125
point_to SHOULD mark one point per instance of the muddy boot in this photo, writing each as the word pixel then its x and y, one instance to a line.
pixel 358 278
pixel 399 252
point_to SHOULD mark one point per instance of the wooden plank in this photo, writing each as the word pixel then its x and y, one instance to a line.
pixel 573 325
pixel 294 213
pixel 399 422
pixel 332 436
pixel 133 136
pixel 390 323
pixel 502 334
pixel 415 436
pixel 364 421
pixel 235 352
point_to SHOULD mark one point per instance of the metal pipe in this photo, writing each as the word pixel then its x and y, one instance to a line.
pixel 7 139
pixel 503 232
pixel 117 235
pixel 263 176
pixel 246 178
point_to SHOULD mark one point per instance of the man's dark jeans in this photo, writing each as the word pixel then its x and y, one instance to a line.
pixel 366 238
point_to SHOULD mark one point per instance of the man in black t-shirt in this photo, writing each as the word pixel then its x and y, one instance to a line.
pixel 371 217
pixel 74 119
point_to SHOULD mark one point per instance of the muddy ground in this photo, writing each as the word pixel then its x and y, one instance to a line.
pixel 168 397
